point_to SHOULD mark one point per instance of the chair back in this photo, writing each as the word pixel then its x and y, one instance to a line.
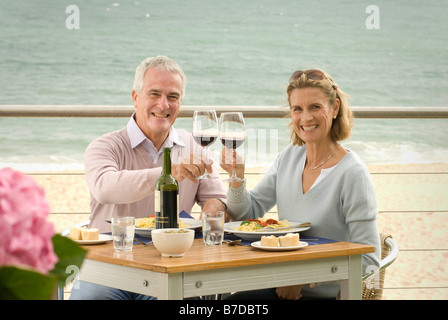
pixel 372 288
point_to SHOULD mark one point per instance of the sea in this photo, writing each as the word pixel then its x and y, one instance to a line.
pixel 234 53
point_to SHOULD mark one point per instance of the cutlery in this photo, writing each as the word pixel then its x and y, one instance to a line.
pixel 232 242
pixel 301 225
pixel 143 243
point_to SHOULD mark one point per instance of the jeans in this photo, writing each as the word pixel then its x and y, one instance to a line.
pixel 262 294
pixel 265 294
pixel 88 291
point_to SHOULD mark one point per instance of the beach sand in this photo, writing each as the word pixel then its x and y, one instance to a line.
pixel 413 207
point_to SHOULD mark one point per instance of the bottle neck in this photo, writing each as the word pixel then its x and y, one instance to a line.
pixel 166 161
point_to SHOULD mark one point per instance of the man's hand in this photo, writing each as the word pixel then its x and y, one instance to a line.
pixel 290 292
pixel 215 205
pixel 191 167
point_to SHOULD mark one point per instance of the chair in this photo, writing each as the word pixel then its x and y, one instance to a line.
pixel 372 284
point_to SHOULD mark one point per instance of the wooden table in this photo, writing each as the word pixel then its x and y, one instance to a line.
pixel 223 269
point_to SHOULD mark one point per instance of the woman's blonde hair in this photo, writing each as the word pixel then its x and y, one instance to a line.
pixel 342 125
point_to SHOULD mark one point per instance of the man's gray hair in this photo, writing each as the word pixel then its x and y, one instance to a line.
pixel 161 63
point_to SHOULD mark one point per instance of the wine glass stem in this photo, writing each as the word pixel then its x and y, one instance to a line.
pixel 205 175
pixel 234 166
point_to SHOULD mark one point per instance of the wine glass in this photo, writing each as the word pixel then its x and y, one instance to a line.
pixel 232 134
pixel 205 133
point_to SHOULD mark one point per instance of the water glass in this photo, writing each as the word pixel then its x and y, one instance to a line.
pixel 123 233
pixel 213 227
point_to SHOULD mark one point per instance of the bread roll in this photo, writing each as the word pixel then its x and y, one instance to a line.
pixel 269 241
pixel 90 234
pixel 289 240
pixel 75 233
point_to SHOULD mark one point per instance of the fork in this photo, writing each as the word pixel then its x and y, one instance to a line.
pixel 143 243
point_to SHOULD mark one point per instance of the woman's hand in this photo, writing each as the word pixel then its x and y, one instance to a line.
pixel 229 160
pixel 289 292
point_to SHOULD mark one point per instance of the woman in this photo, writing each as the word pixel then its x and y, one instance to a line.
pixel 314 179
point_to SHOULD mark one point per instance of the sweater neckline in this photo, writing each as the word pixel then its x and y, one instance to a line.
pixel 324 179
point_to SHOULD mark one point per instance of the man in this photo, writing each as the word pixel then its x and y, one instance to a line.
pixel 122 167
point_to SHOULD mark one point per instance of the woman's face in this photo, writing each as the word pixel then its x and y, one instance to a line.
pixel 312 114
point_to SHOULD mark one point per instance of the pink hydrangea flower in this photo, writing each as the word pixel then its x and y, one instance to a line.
pixel 25 234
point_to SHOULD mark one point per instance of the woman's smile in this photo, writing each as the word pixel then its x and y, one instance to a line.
pixel 309 128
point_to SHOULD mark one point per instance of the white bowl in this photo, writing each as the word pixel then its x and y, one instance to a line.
pixel 172 242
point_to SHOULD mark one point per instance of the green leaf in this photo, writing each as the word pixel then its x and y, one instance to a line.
pixel 70 255
pixel 22 284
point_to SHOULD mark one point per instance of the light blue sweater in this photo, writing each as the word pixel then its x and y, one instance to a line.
pixel 341 207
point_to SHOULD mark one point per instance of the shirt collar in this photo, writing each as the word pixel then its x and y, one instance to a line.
pixel 137 137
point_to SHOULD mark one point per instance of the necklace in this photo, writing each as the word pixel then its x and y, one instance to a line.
pixel 323 162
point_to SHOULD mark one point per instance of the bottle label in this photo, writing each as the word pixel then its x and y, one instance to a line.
pixel 167 216
pixel 157 201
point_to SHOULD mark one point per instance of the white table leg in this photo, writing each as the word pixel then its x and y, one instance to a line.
pixel 351 289
pixel 170 286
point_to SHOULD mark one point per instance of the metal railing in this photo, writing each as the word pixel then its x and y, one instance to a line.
pixel 87 111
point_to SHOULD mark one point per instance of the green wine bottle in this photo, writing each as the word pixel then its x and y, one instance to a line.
pixel 166 196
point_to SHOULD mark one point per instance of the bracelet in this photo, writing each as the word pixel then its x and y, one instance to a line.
pixel 243 188
pixel 241 201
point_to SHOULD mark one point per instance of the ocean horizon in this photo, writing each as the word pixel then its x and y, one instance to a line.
pixel 233 53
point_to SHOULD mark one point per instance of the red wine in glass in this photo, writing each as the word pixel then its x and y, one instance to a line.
pixel 205 132
pixel 232 134
pixel 232 142
pixel 205 140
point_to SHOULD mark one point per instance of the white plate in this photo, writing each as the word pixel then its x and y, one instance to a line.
pixel 256 235
pixel 103 238
pixel 259 246
pixel 192 224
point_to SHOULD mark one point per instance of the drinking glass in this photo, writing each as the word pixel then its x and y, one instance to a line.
pixel 213 227
pixel 123 233
pixel 205 133
pixel 232 134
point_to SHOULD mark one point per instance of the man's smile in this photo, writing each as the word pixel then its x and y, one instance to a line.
pixel 159 115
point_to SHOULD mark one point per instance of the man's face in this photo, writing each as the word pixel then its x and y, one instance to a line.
pixel 158 104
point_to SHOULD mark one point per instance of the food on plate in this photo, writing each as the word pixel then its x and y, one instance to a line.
pixel 269 241
pixel 149 222
pixel 289 240
pixel 77 233
pixel 90 234
pixel 176 231
pixel 256 224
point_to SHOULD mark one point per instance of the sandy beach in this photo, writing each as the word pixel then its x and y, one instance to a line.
pixel 411 200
